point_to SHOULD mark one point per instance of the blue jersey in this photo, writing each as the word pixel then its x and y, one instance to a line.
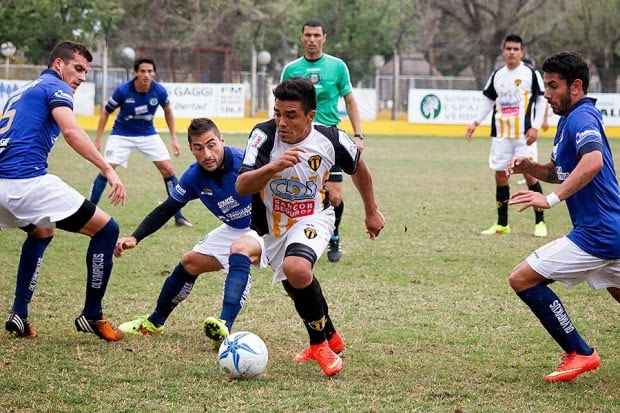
pixel 28 130
pixel 217 190
pixel 595 208
pixel 137 110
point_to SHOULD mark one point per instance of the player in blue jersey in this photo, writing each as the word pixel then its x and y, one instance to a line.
pixel 582 163
pixel 38 202
pixel 133 128
pixel 212 180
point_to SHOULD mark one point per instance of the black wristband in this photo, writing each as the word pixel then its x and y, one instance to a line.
pixel 359 135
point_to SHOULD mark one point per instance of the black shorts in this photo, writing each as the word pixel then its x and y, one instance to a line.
pixel 335 174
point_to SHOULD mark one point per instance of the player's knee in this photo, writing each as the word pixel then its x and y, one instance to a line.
pixel 188 262
pixel 165 168
pixel 110 230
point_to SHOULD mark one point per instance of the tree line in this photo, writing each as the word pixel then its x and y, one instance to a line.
pixel 454 36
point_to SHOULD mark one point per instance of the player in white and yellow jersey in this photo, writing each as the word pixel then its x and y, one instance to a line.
pixel 515 94
pixel 286 164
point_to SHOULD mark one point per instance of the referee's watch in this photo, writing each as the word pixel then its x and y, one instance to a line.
pixel 359 135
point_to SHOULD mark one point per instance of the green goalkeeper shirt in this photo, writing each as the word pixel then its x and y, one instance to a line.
pixel 331 80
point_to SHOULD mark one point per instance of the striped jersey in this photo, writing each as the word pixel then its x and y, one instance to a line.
pixel 299 191
pixel 514 92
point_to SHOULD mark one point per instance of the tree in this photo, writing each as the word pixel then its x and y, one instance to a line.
pixel 49 22
pixel 484 24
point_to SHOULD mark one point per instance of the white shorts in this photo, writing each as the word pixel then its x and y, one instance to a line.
pixel 562 260
pixel 504 149
pixel 217 244
pixel 118 148
pixel 313 231
pixel 41 201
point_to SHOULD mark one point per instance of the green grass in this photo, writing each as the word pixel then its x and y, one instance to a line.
pixel 430 322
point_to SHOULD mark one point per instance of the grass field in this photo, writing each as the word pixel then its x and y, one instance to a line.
pixel 430 322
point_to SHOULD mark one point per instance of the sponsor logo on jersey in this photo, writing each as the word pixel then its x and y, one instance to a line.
pixel 430 107
pixel 227 204
pixel 206 191
pixel 293 210
pixel 293 190
pixel 310 233
pixel 60 94
pixel 315 162
pixel 129 100
pixel 180 189
pixel 256 139
pixel 518 82
pixel 139 110
pixel 588 133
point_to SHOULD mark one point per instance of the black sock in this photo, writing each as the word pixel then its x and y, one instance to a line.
pixel 339 210
pixel 309 305
pixel 540 215
pixel 502 194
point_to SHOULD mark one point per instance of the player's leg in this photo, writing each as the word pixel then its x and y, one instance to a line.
pixel 243 251
pixel 30 261
pixel 334 186
pixel 531 286
pixel 499 156
pixel 304 243
pixel 103 232
pixel 176 288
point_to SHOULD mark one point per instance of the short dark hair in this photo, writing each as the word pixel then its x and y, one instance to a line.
pixel 515 38
pixel 297 89
pixel 66 50
pixel 570 66
pixel 141 60
pixel 313 23
pixel 199 126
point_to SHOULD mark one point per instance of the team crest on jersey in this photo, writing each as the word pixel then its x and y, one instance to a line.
pixel 153 102
pixel 518 82
pixel 310 233
pixel 315 162
pixel 314 78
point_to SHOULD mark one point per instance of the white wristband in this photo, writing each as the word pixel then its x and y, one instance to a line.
pixel 553 199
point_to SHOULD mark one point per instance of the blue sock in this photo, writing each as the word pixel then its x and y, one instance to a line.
pixel 170 183
pixel 176 288
pixel 546 305
pixel 236 288
pixel 99 267
pixel 28 273
pixel 96 190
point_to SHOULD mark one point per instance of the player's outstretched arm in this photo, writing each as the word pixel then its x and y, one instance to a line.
pixel 363 182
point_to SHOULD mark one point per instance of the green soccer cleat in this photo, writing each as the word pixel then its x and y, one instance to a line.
pixel 497 229
pixel 540 229
pixel 140 325
pixel 216 331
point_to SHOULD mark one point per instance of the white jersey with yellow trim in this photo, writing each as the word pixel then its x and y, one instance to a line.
pixel 514 92
pixel 299 191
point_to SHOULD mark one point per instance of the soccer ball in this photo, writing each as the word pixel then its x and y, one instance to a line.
pixel 243 355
